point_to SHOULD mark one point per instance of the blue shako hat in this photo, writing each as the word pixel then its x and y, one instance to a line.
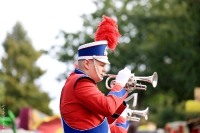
pixel 94 50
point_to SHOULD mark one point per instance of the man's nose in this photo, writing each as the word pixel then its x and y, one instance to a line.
pixel 104 69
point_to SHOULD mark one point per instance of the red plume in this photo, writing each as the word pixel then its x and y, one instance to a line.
pixel 108 30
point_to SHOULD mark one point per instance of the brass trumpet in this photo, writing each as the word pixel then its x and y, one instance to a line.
pixel 132 82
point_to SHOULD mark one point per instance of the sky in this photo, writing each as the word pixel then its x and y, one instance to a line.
pixel 43 20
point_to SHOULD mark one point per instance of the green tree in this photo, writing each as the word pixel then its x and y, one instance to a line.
pixel 2 88
pixel 157 35
pixel 174 54
pixel 20 72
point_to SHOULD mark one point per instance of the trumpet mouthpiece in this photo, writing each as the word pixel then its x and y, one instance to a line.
pixel 104 75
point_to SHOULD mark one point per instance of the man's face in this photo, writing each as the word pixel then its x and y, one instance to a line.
pixel 99 70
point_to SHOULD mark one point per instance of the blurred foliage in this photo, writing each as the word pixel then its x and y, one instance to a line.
pixel 157 35
pixel 19 72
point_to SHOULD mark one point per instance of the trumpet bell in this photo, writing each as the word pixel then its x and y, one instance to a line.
pixel 155 79
pixel 143 113
pixel 151 79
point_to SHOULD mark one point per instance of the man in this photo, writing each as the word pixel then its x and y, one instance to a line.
pixel 83 107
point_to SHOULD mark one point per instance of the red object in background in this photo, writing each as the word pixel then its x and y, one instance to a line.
pixel 24 118
pixel 173 131
pixel 51 126
pixel 195 130
pixel 181 129
pixel 34 120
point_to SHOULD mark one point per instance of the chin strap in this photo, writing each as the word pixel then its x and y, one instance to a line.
pixel 96 69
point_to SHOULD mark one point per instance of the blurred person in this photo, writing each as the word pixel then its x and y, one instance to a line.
pixel 133 127
pixel 83 107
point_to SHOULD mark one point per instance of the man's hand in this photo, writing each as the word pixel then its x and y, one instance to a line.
pixel 123 76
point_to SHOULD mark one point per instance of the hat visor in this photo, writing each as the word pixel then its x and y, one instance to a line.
pixel 103 60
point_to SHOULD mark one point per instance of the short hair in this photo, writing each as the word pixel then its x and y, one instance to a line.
pixel 80 63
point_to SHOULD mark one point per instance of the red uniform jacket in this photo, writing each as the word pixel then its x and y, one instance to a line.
pixel 84 106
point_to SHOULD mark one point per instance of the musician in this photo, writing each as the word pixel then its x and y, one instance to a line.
pixel 83 107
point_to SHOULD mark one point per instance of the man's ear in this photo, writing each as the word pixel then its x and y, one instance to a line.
pixel 86 64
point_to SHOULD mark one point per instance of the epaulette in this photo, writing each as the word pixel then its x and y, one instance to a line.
pixel 84 76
